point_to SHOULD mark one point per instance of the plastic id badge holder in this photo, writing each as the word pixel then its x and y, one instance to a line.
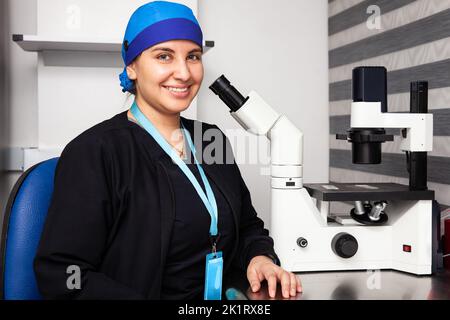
pixel 213 276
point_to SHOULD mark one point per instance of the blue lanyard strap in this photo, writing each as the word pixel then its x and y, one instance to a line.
pixel 208 199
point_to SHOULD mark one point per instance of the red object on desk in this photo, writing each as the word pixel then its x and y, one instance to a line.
pixel 447 243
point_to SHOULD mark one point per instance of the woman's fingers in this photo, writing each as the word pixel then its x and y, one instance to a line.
pixel 290 284
pixel 285 283
pixel 272 283
pixel 261 276
pixel 299 285
pixel 258 272
pixel 294 284
pixel 253 279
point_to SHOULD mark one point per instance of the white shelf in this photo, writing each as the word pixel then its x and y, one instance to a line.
pixel 34 43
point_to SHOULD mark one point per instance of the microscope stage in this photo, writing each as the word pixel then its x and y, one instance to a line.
pixel 365 191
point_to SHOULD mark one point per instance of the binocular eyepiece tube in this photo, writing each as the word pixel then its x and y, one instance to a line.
pixel 228 94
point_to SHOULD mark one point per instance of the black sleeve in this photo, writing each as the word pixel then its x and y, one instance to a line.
pixel 77 225
pixel 254 239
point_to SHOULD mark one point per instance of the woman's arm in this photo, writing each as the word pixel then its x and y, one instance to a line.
pixel 77 226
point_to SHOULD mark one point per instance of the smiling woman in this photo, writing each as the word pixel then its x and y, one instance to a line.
pixel 139 220
pixel 167 77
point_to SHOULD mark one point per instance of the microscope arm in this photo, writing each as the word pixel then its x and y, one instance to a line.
pixel 286 140
pixel 419 126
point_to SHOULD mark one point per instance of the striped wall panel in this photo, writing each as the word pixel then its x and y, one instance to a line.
pixel 413 43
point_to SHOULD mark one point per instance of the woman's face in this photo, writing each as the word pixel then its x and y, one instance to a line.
pixel 168 75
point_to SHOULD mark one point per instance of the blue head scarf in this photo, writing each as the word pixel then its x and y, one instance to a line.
pixel 153 23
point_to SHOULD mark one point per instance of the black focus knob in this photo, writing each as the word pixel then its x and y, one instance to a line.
pixel 302 242
pixel 344 245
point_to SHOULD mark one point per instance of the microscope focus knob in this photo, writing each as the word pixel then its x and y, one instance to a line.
pixel 344 245
pixel 302 242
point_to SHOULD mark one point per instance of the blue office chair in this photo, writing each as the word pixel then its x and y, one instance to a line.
pixel 22 227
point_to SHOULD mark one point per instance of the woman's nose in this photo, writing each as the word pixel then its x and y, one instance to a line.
pixel 182 71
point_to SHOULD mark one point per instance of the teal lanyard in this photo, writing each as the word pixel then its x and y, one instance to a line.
pixel 208 199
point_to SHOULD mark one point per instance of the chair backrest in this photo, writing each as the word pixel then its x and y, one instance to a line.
pixel 22 227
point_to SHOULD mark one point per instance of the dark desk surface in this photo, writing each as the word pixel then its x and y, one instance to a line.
pixel 361 285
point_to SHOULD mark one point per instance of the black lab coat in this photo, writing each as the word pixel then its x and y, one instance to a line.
pixel 112 213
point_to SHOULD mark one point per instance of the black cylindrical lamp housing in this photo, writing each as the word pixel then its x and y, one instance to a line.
pixel 370 85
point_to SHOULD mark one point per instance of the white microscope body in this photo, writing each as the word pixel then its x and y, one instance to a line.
pixel 306 236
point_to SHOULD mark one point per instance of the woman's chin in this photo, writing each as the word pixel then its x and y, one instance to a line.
pixel 177 108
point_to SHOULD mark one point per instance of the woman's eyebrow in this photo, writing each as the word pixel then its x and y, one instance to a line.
pixel 196 50
pixel 163 49
pixel 172 51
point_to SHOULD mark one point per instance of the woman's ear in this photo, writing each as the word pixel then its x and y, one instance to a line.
pixel 131 71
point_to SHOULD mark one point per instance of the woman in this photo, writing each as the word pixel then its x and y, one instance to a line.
pixel 133 212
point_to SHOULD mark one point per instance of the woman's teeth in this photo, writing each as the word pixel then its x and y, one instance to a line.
pixel 177 89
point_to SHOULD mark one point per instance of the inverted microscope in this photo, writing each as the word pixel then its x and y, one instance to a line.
pixel 389 226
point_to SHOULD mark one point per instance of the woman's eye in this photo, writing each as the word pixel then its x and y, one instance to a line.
pixel 195 57
pixel 164 57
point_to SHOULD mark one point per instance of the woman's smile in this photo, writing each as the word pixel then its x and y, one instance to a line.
pixel 179 92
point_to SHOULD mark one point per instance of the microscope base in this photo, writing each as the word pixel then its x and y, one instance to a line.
pixel 404 243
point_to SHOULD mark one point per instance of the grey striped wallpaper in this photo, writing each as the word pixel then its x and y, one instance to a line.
pixel 413 43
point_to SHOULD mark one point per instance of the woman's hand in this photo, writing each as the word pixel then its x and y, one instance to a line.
pixel 262 268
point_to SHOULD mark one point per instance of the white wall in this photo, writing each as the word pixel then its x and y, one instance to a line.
pixel 18 121
pixel 279 49
pixel 4 26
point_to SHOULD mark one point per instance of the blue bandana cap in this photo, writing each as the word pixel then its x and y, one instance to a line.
pixel 153 23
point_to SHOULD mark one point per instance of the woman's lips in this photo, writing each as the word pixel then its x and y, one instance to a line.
pixel 178 92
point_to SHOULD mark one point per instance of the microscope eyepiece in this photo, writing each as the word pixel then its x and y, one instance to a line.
pixel 228 94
